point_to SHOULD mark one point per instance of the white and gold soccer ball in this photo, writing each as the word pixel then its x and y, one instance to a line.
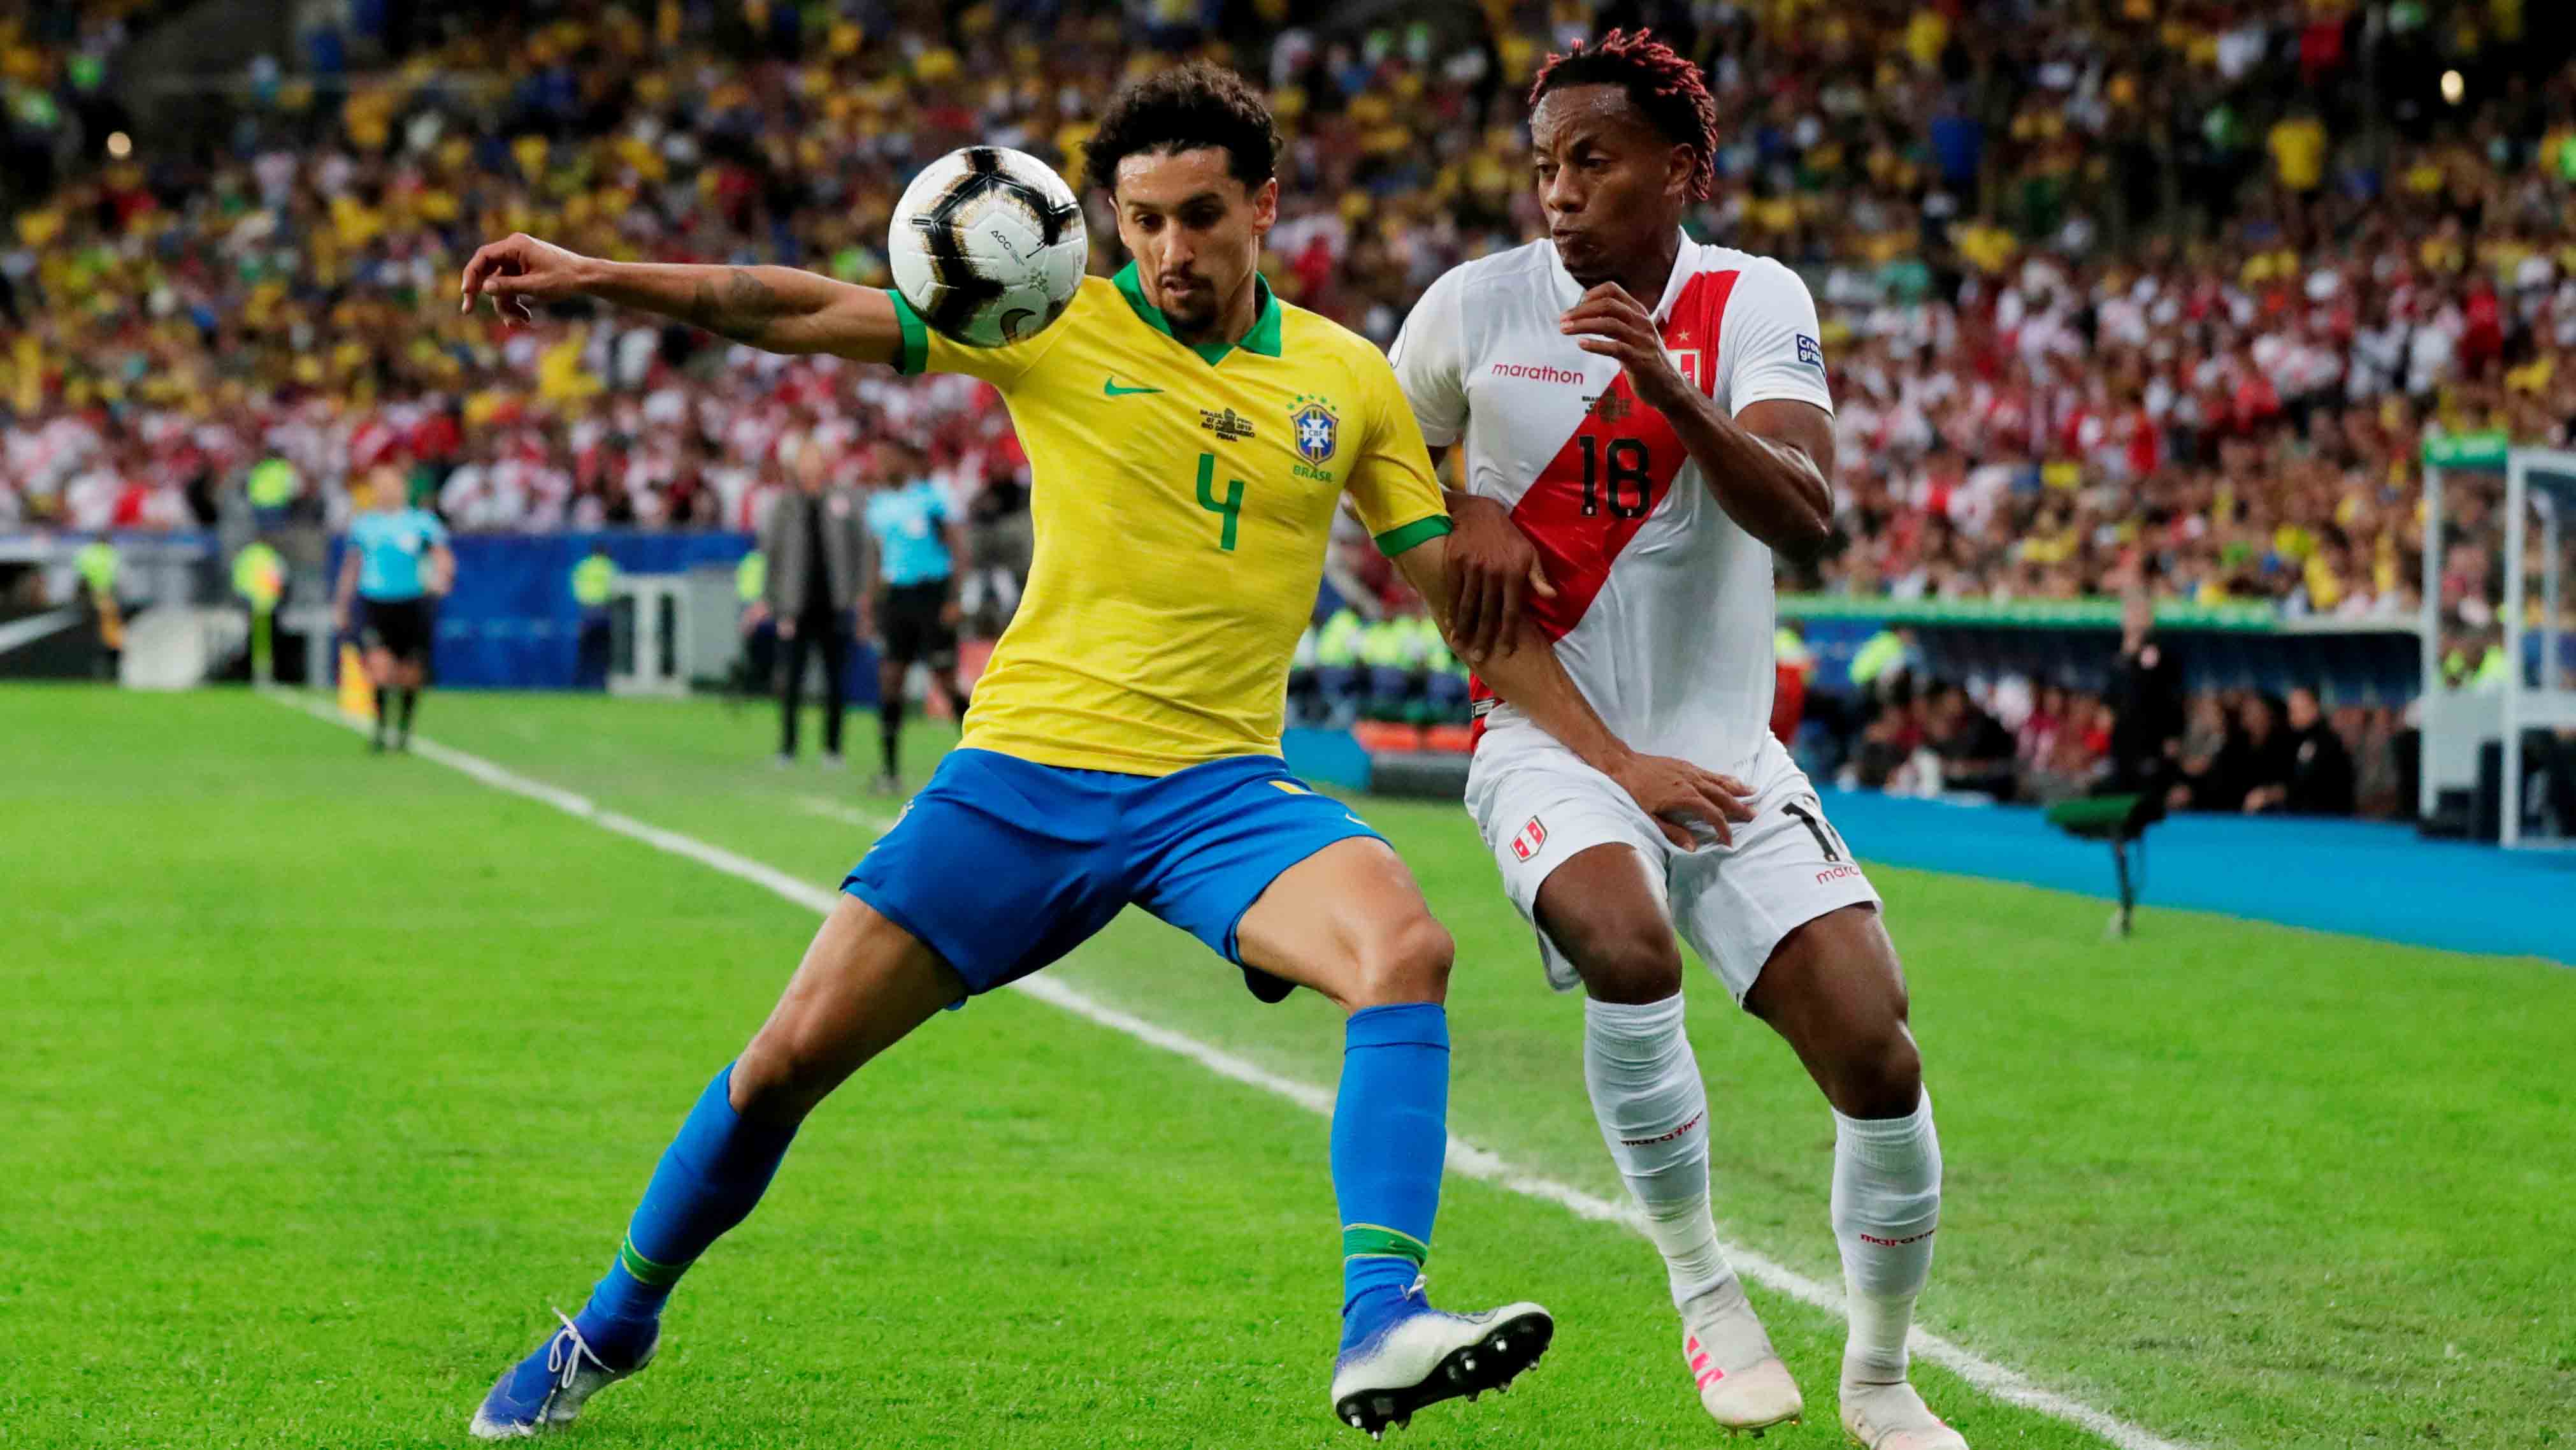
pixel 988 245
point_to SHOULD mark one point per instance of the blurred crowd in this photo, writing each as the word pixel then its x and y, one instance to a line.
pixel 2239 751
pixel 55 98
pixel 2155 292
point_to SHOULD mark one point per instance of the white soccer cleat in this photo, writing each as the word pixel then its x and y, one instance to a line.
pixel 545 1391
pixel 1427 1355
pixel 1894 1417
pixel 1742 1383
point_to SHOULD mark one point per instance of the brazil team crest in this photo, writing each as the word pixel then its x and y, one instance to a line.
pixel 1319 431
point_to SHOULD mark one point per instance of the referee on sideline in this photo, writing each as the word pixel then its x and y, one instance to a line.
pixel 396 560
pixel 918 543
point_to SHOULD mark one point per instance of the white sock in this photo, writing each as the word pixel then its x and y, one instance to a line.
pixel 1886 1204
pixel 1653 1110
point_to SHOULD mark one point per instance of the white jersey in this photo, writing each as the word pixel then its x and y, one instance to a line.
pixel 1663 613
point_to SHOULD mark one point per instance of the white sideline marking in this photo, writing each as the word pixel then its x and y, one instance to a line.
pixel 832 810
pixel 1996 1380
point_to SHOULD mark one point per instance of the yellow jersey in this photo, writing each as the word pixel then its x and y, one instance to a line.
pixel 1182 498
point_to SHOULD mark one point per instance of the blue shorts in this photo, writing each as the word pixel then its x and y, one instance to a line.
pixel 1001 866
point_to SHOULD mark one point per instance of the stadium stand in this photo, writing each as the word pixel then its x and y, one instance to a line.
pixel 2162 294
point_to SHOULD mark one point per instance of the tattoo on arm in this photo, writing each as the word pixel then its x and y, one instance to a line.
pixel 742 311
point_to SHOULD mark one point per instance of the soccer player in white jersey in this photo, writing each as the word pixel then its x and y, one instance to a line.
pixel 1652 413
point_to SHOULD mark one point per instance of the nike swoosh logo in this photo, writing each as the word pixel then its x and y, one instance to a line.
pixel 1109 388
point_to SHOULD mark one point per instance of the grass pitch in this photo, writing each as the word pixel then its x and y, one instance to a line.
pixel 334 1072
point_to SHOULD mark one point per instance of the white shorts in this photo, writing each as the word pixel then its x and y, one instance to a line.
pixel 1539 807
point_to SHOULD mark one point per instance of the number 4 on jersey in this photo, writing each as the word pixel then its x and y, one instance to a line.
pixel 1230 507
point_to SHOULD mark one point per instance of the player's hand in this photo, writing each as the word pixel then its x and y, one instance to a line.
pixel 951 614
pixel 787 626
pixel 1685 802
pixel 1491 563
pixel 340 618
pixel 518 271
pixel 1607 321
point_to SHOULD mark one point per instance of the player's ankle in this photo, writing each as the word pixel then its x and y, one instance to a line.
pixel 620 1341
pixel 1867 1372
pixel 1369 1310
pixel 1722 1294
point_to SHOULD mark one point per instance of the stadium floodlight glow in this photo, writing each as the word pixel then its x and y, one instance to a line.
pixel 2453 87
pixel 119 145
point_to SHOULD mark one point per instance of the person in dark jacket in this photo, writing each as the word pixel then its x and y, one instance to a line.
pixel 2146 698
pixel 2255 757
pixel 2255 767
pixel 2312 771
pixel 816 544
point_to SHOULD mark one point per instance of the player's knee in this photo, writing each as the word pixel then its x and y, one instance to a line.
pixel 1879 1071
pixel 783 1074
pixel 1406 962
pixel 1623 957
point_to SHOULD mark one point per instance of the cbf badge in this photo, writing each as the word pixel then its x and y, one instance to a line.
pixel 1319 432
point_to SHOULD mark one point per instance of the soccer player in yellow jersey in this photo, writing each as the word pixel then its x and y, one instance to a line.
pixel 1191 438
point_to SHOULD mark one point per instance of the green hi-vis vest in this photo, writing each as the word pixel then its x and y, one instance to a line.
pixel 97 563
pixel 1877 655
pixel 1340 642
pixel 592 579
pixel 751 577
pixel 259 575
pixel 1430 648
pixel 1788 647
pixel 2490 668
pixel 1387 644
pixel 272 483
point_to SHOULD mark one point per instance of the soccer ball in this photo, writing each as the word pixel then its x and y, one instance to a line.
pixel 988 245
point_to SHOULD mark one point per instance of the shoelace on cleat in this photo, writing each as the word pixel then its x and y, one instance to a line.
pixel 564 1354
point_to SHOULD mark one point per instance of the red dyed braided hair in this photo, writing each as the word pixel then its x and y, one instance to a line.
pixel 1664 86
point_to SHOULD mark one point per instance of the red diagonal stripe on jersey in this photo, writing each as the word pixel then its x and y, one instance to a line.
pixel 1578 548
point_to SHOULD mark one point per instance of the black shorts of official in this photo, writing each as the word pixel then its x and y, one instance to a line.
pixel 914 631
pixel 399 627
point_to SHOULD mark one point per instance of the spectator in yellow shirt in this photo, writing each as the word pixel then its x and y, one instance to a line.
pixel 2298 146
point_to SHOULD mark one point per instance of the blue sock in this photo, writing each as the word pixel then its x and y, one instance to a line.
pixel 707 1182
pixel 1390 1135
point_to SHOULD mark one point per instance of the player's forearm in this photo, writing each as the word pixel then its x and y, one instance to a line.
pixel 1529 676
pixel 1774 490
pixel 779 309
pixel 1527 672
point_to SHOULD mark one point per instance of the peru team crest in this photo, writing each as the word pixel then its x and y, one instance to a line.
pixel 1529 840
pixel 1319 431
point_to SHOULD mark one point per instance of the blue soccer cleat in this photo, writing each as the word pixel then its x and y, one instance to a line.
pixel 1421 1356
pixel 545 1391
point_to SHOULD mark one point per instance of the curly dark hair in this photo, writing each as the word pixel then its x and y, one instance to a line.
pixel 1665 87
pixel 1183 109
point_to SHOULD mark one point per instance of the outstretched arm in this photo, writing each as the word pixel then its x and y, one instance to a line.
pixel 1527 672
pixel 779 309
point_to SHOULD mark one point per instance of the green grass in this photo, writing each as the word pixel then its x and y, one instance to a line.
pixel 331 1073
